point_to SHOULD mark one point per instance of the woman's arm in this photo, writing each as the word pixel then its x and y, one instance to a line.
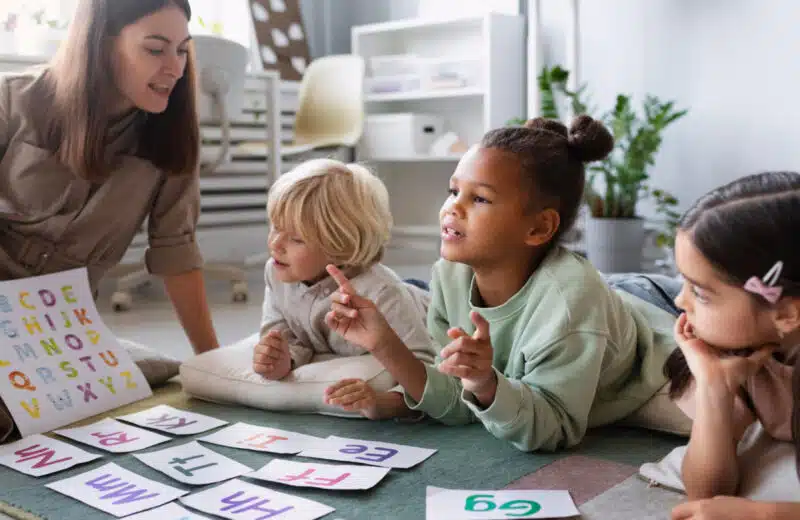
pixel 187 292
pixel 735 508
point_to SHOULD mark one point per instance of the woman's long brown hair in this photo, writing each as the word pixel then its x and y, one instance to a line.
pixel 743 228
pixel 79 86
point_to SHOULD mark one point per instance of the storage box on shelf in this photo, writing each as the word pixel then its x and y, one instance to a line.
pixel 465 73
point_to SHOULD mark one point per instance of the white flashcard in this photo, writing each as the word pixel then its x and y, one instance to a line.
pixel 374 453
pixel 193 464
pixel 318 475
pixel 457 503
pixel 241 500
pixel 39 455
pixel 172 420
pixel 116 490
pixel 258 438
pixel 113 436
pixel 171 511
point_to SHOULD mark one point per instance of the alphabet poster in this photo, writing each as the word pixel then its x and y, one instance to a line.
pixel 116 490
pixel 522 503
pixel 59 363
pixel 40 455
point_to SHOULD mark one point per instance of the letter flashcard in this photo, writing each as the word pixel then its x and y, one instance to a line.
pixel 318 475
pixel 258 438
pixel 116 490
pixel 171 511
pixel 39 455
pixel 239 500
pixel 194 464
pixel 113 436
pixel 171 420
pixel 522 503
pixel 373 453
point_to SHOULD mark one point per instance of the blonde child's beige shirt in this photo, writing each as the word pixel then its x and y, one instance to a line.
pixel 300 310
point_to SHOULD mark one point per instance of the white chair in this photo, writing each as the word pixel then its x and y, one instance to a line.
pixel 330 114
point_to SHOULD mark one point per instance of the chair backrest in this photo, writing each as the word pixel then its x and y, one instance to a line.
pixel 331 101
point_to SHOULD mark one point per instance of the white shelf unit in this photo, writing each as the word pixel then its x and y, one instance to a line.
pixel 418 182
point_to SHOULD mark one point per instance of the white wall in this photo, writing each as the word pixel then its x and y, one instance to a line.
pixel 731 62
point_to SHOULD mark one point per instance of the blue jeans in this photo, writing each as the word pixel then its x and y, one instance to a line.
pixel 417 283
pixel 658 289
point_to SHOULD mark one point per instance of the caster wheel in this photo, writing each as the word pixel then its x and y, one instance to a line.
pixel 239 292
pixel 121 301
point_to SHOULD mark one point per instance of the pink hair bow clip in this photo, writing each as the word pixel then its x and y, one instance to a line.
pixel 766 286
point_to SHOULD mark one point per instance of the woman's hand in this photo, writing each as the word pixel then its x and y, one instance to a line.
pixel 354 317
pixel 714 368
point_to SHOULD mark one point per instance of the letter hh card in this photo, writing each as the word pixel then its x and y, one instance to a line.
pixel 39 455
pixel 171 420
pixel 258 438
pixel 192 463
pixel 241 500
pixel 171 511
pixel 373 453
pixel 522 503
pixel 116 490
pixel 59 363
pixel 318 475
pixel 113 436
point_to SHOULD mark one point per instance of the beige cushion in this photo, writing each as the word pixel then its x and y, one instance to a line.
pixel 226 375
pixel 661 414
pixel 766 467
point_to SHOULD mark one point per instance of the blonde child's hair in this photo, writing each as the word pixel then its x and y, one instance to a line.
pixel 341 208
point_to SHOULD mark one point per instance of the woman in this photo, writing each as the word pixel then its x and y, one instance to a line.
pixel 101 139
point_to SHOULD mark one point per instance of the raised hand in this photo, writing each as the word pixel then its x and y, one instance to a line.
pixel 271 356
pixel 353 395
pixel 715 367
pixel 354 317
pixel 470 359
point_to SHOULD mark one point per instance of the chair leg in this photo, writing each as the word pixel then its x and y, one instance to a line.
pixel 122 300
pixel 236 275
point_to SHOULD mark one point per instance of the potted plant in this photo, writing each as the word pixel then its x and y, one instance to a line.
pixel 615 233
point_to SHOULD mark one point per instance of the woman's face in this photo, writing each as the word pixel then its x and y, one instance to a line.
pixel 149 57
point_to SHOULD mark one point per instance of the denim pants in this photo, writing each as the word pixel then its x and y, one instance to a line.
pixel 658 289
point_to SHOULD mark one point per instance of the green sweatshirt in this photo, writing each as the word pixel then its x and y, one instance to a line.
pixel 570 353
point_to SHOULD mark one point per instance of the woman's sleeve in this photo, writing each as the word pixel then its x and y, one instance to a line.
pixel 171 227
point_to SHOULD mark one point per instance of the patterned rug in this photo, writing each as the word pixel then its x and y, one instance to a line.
pixel 600 473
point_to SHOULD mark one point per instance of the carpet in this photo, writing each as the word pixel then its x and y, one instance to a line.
pixel 467 458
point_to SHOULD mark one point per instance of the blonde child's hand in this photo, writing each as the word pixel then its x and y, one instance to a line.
pixel 354 317
pixel 470 359
pixel 271 356
pixel 721 508
pixel 714 368
pixel 353 395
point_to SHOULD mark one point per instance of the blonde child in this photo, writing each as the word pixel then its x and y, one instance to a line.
pixel 739 336
pixel 531 341
pixel 327 212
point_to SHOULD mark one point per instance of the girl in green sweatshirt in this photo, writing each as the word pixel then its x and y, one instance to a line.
pixel 531 341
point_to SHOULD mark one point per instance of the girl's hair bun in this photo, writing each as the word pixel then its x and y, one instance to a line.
pixel 589 139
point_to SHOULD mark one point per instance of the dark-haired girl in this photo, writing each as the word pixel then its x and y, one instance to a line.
pixel 532 342
pixel 739 336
